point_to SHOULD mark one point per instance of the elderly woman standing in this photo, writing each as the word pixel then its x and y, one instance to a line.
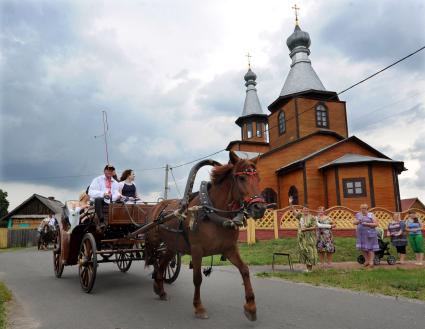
pixel 306 237
pixel 367 240
pixel 397 232
pixel 325 244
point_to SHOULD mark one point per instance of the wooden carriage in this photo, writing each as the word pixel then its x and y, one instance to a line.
pixel 91 243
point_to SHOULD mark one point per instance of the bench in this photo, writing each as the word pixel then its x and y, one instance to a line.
pixel 282 254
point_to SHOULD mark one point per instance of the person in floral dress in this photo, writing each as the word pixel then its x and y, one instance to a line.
pixel 325 244
pixel 306 237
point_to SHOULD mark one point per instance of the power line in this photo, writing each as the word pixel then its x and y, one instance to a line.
pixel 382 70
pixel 198 159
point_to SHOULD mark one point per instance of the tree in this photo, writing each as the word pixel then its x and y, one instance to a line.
pixel 4 204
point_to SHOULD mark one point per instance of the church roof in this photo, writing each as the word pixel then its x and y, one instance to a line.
pixel 301 76
pixel 381 157
pixel 351 158
pixel 247 154
pixel 252 103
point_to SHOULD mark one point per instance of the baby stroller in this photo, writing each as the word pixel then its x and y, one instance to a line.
pixel 384 250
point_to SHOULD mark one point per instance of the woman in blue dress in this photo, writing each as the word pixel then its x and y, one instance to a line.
pixel 367 239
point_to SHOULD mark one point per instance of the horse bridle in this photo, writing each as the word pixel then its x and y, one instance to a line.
pixel 247 201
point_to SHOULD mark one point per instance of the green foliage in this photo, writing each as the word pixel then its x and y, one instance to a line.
pixel 5 296
pixel 391 282
pixel 4 204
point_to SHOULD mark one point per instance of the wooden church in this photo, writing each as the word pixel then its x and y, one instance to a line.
pixel 305 148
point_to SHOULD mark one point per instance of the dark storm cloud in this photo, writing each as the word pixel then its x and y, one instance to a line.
pixel 224 94
pixel 49 117
pixel 380 31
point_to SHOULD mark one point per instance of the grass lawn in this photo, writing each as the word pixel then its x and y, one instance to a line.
pixel 5 296
pixel 261 252
pixel 392 282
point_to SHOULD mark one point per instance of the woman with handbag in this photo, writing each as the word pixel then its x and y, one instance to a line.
pixel 367 240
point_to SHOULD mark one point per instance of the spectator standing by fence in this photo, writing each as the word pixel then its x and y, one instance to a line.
pixel 325 244
pixel 306 237
pixel 397 232
pixel 414 227
pixel 366 238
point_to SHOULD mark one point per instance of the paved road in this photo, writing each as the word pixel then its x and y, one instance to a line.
pixel 126 301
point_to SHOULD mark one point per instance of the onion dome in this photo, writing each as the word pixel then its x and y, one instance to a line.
pixel 250 76
pixel 299 38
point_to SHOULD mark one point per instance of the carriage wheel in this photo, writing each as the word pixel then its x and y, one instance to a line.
pixel 123 261
pixel 57 259
pixel 391 260
pixel 87 262
pixel 376 260
pixel 361 259
pixel 173 269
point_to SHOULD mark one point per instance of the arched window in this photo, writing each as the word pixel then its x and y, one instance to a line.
pixel 322 119
pixel 269 195
pixel 281 123
pixel 293 192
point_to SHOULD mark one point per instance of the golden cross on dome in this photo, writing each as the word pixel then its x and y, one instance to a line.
pixel 249 60
pixel 295 8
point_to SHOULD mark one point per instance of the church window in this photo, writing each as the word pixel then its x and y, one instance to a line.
pixel 249 130
pixel 259 127
pixel 322 119
pixel 293 193
pixel 281 123
pixel 269 195
pixel 354 187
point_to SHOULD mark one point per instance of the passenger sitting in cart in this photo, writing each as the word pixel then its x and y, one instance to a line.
pixel 127 188
pixel 77 210
pixel 103 190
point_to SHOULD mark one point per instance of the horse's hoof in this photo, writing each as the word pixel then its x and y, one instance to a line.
pixel 250 316
pixel 157 290
pixel 201 315
pixel 163 297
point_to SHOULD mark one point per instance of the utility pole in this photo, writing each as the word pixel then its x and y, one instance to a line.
pixel 166 188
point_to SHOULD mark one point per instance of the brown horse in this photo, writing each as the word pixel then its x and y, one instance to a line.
pixel 234 188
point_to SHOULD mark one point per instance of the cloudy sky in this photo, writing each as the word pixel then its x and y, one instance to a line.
pixel 170 76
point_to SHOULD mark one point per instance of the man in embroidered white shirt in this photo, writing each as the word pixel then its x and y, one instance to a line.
pixel 103 190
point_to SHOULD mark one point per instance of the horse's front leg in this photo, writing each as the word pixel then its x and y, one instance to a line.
pixel 250 309
pixel 199 309
pixel 159 273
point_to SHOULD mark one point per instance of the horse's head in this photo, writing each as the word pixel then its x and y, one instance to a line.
pixel 244 190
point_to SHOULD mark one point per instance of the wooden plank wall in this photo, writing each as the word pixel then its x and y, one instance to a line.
pixel 3 238
pixel 21 238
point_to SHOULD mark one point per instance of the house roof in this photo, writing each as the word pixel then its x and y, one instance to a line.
pixel 351 158
pixel 406 204
pixel 300 162
pixel 54 205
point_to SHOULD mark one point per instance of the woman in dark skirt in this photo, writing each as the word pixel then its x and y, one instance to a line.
pixel 127 188
pixel 397 232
